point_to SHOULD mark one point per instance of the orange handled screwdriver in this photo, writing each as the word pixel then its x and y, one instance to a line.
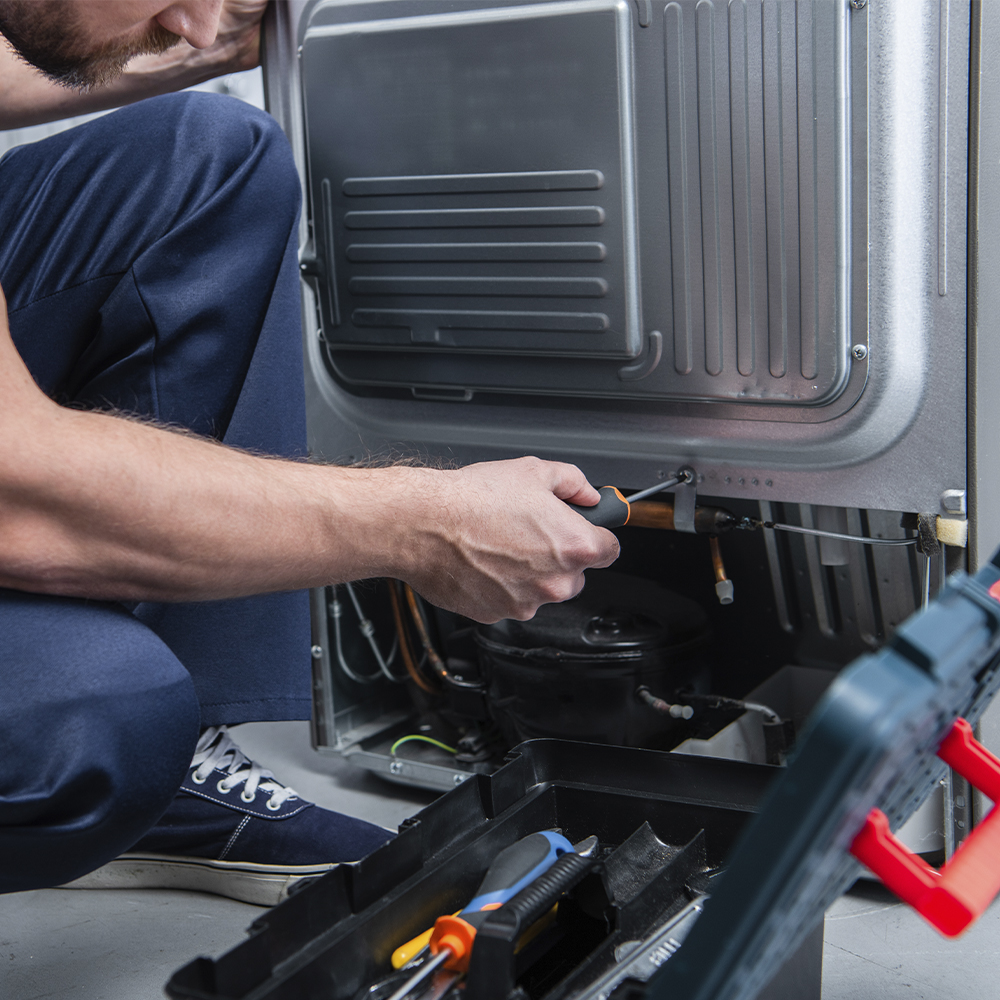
pixel 612 510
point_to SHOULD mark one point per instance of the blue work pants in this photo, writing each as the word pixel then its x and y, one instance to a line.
pixel 148 260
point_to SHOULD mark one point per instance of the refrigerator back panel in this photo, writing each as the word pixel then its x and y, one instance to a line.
pixel 476 176
pixel 638 236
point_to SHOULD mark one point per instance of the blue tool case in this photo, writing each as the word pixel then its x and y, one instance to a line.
pixel 711 878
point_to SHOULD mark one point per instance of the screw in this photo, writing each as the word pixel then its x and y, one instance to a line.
pixel 396 767
pixel 458 778
pixel 859 352
pixel 317 652
pixel 768 482
pixel 858 4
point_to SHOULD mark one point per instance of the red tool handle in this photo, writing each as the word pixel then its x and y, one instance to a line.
pixel 952 897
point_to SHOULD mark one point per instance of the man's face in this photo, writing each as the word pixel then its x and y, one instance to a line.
pixel 88 43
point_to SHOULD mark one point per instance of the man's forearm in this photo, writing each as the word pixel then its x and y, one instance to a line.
pixel 98 506
pixel 94 505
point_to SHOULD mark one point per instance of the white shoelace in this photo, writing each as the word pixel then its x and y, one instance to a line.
pixel 216 750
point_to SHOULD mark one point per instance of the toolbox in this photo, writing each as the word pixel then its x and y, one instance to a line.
pixel 712 876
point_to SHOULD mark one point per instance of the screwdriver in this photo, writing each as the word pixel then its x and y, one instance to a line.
pixel 612 510
pixel 409 953
pixel 512 869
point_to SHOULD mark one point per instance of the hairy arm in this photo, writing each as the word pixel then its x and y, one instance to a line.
pixel 27 97
pixel 93 505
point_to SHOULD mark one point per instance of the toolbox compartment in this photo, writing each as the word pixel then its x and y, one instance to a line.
pixel 336 935
pixel 667 822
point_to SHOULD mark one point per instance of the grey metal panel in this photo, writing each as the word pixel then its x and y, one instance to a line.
pixel 490 145
pixel 897 447
pixel 749 113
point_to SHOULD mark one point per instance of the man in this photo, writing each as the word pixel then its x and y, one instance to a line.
pixel 156 529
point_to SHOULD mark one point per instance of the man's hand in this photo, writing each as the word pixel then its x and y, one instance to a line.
pixel 93 505
pixel 496 540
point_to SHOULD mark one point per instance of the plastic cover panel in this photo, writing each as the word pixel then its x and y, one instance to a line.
pixel 474 178
pixel 468 170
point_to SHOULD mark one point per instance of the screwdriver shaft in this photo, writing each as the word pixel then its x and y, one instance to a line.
pixel 421 974
pixel 665 485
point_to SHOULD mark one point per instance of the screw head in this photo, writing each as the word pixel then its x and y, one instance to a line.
pixel 858 4
pixel 859 352
pixel 317 652
pixel 396 767
pixel 458 778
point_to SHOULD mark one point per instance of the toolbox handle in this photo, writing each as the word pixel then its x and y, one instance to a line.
pixel 954 896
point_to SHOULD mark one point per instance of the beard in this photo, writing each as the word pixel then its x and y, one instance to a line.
pixel 44 34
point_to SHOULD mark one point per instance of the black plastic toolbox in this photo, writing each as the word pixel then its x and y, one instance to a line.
pixel 675 831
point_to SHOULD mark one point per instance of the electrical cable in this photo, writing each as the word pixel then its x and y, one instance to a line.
pixel 674 711
pixel 336 610
pixel 720 701
pixel 422 739
pixel 861 539
pixel 368 631
pixel 404 641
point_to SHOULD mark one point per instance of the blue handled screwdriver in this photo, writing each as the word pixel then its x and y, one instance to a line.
pixel 513 868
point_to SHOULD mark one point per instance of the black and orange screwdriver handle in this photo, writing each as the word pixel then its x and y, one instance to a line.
pixel 611 511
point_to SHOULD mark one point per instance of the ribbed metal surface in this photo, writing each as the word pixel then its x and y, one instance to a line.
pixel 752 151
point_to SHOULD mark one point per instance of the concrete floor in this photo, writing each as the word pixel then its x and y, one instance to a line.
pixel 59 944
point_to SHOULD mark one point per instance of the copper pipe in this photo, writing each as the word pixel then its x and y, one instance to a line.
pixel 660 514
pixel 651 514
pixel 723 585
pixel 404 642
pixel 425 639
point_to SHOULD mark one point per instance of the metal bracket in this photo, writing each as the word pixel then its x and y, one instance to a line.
pixel 685 497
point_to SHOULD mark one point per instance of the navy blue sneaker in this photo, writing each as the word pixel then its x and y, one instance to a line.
pixel 234 830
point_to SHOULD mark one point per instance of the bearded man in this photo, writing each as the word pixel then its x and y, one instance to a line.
pixel 157 521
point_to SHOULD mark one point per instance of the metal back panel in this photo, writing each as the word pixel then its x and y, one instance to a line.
pixel 475 177
pixel 870 299
pixel 469 171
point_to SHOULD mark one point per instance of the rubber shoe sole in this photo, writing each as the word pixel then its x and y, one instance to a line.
pixel 262 885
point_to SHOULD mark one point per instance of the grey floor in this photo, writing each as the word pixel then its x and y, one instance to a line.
pixel 118 945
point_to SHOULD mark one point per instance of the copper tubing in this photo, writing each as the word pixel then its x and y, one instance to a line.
pixel 651 514
pixel 425 639
pixel 657 514
pixel 720 570
pixel 404 642
pixel 723 585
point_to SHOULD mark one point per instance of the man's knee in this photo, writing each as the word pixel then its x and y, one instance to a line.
pixel 94 740
pixel 234 143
